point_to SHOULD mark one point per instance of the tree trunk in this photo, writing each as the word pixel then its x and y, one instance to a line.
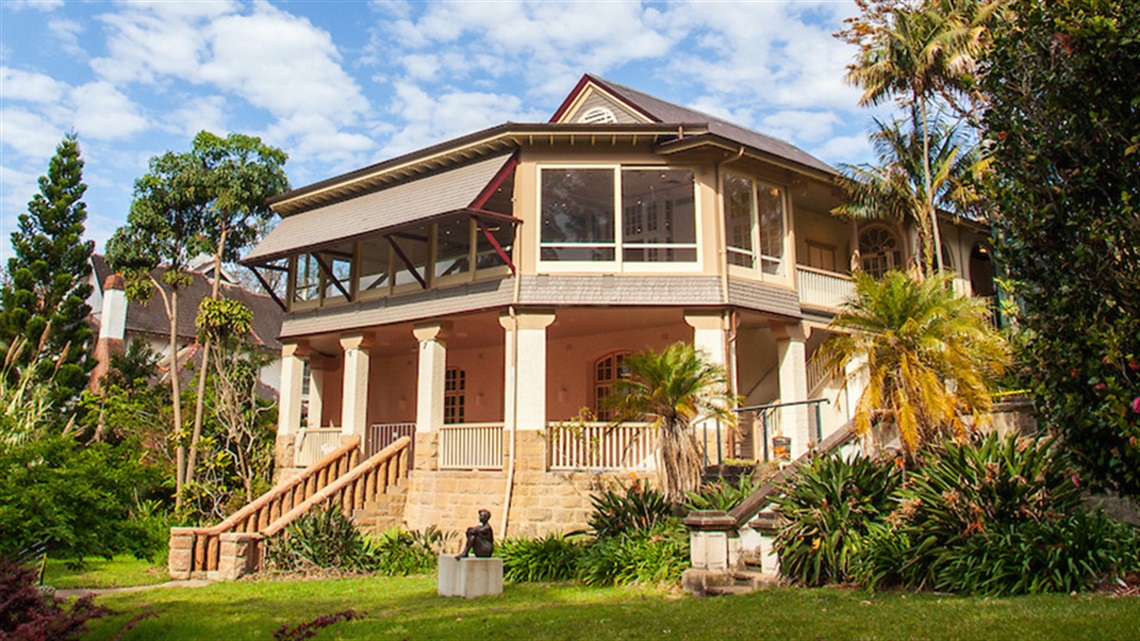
pixel 200 401
pixel 930 210
pixel 176 397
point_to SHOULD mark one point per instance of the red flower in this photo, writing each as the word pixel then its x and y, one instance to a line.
pixel 1136 405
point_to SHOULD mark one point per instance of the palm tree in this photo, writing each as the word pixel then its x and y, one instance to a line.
pixel 895 187
pixel 915 52
pixel 674 389
pixel 932 356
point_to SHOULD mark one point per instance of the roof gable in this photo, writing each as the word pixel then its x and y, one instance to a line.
pixel 589 103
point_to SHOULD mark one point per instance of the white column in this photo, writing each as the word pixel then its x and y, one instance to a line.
pixel 432 374
pixel 317 379
pixel 709 336
pixel 792 354
pixel 525 379
pixel 354 406
pixel 292 379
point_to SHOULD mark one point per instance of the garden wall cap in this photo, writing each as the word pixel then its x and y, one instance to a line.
pixel 714 520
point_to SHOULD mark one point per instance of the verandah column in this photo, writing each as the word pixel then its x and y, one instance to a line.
pixel 524 381
pixel 354 406
pixel 432 374
pixel 289 403
pixel 710 338
pixel 791 351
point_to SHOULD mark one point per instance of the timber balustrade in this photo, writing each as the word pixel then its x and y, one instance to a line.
pixel 197 550
pixel 600 446
pixel 315 443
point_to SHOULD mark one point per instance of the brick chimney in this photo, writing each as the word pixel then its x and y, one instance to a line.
pixel 111 330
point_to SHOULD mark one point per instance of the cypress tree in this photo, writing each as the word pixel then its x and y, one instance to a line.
pixel 49 273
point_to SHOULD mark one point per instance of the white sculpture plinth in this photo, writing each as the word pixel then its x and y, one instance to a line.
pixel 470 577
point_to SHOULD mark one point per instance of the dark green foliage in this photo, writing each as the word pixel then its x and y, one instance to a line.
pixel 657 556
pixel 49 272
pixel 1000 516
pixel 398 552
pixel 722 494
pixel 1063 125
pixel 27 615
pixel 97 500
pixel 637 508
pixel 553 557
pixel 828 505
pixel 321 539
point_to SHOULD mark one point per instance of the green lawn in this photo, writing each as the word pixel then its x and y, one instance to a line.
pixel 408 608
pixel 120 572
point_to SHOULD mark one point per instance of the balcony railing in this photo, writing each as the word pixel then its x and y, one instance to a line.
pixel 314 443
pixel 471 446
pixel 821 288
pixel 600 446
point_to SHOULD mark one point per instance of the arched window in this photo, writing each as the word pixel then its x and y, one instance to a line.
pixel 879 250
pixel 982 271
pixel 454 388
pixel 607 370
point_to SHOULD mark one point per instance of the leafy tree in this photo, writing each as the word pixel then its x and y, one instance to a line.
pixel 931 356
pixel 45 304
pixel 1063 123
pixel 895 188
pixel 674 389
pixel 210 200
pixel 917 53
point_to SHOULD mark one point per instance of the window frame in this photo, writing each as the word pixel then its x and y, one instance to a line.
pixel 619 264
pixel 786 261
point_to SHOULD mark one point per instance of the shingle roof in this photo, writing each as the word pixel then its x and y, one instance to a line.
pixel 416 201
pixel 667 112
pixel 150 318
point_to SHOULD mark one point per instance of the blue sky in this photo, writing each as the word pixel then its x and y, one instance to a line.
pixel 341 84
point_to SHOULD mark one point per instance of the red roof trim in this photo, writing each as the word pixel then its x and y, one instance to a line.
pixel 565 106
pixel 617 96
pixel 498 179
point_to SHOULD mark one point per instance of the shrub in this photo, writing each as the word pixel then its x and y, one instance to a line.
pixel 321 539
pixel 637 508
pixel 828 505
pixel 722 494
pixel 553 557
pixel 656 556
pixel 999 516
pixel 28 615
pixel 97 500
pixel 398 552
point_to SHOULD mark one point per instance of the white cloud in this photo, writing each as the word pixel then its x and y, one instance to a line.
pixel 28 133
pixel 844 149
pixel 197 114
pixel 38 5
pixel 268 58
pixel 800 126
pixel 30 86
pixel 103 112
pixel 432 118
pixel 67 33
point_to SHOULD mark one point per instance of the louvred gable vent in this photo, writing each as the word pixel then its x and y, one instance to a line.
pixel 597 116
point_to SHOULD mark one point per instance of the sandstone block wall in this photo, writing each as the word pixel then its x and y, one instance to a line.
pixel 541 502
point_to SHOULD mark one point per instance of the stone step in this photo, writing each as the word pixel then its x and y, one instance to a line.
pixel 724 590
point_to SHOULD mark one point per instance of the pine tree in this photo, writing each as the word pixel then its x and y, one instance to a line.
pixel 48 290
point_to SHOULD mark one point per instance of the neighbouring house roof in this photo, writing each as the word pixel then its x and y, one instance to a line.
pixel 150 318
pixel 418 202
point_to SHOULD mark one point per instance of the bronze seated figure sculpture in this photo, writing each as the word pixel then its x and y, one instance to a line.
pixel 480 539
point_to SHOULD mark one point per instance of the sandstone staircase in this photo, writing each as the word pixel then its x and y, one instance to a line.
pixel 731 553
pixel 370 491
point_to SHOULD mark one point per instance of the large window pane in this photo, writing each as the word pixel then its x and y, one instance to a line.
pixel 374 265
pixel 739 215
pixel 306 279
pixel 659 215
pixel 339 263
pixel 486 256
pixel 770 202
pixel 414 246
pixel 453 247
pixel 578 214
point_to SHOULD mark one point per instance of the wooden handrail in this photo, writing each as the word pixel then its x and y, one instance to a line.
pixel 756 501
pixel 279 490
pixel 396 450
